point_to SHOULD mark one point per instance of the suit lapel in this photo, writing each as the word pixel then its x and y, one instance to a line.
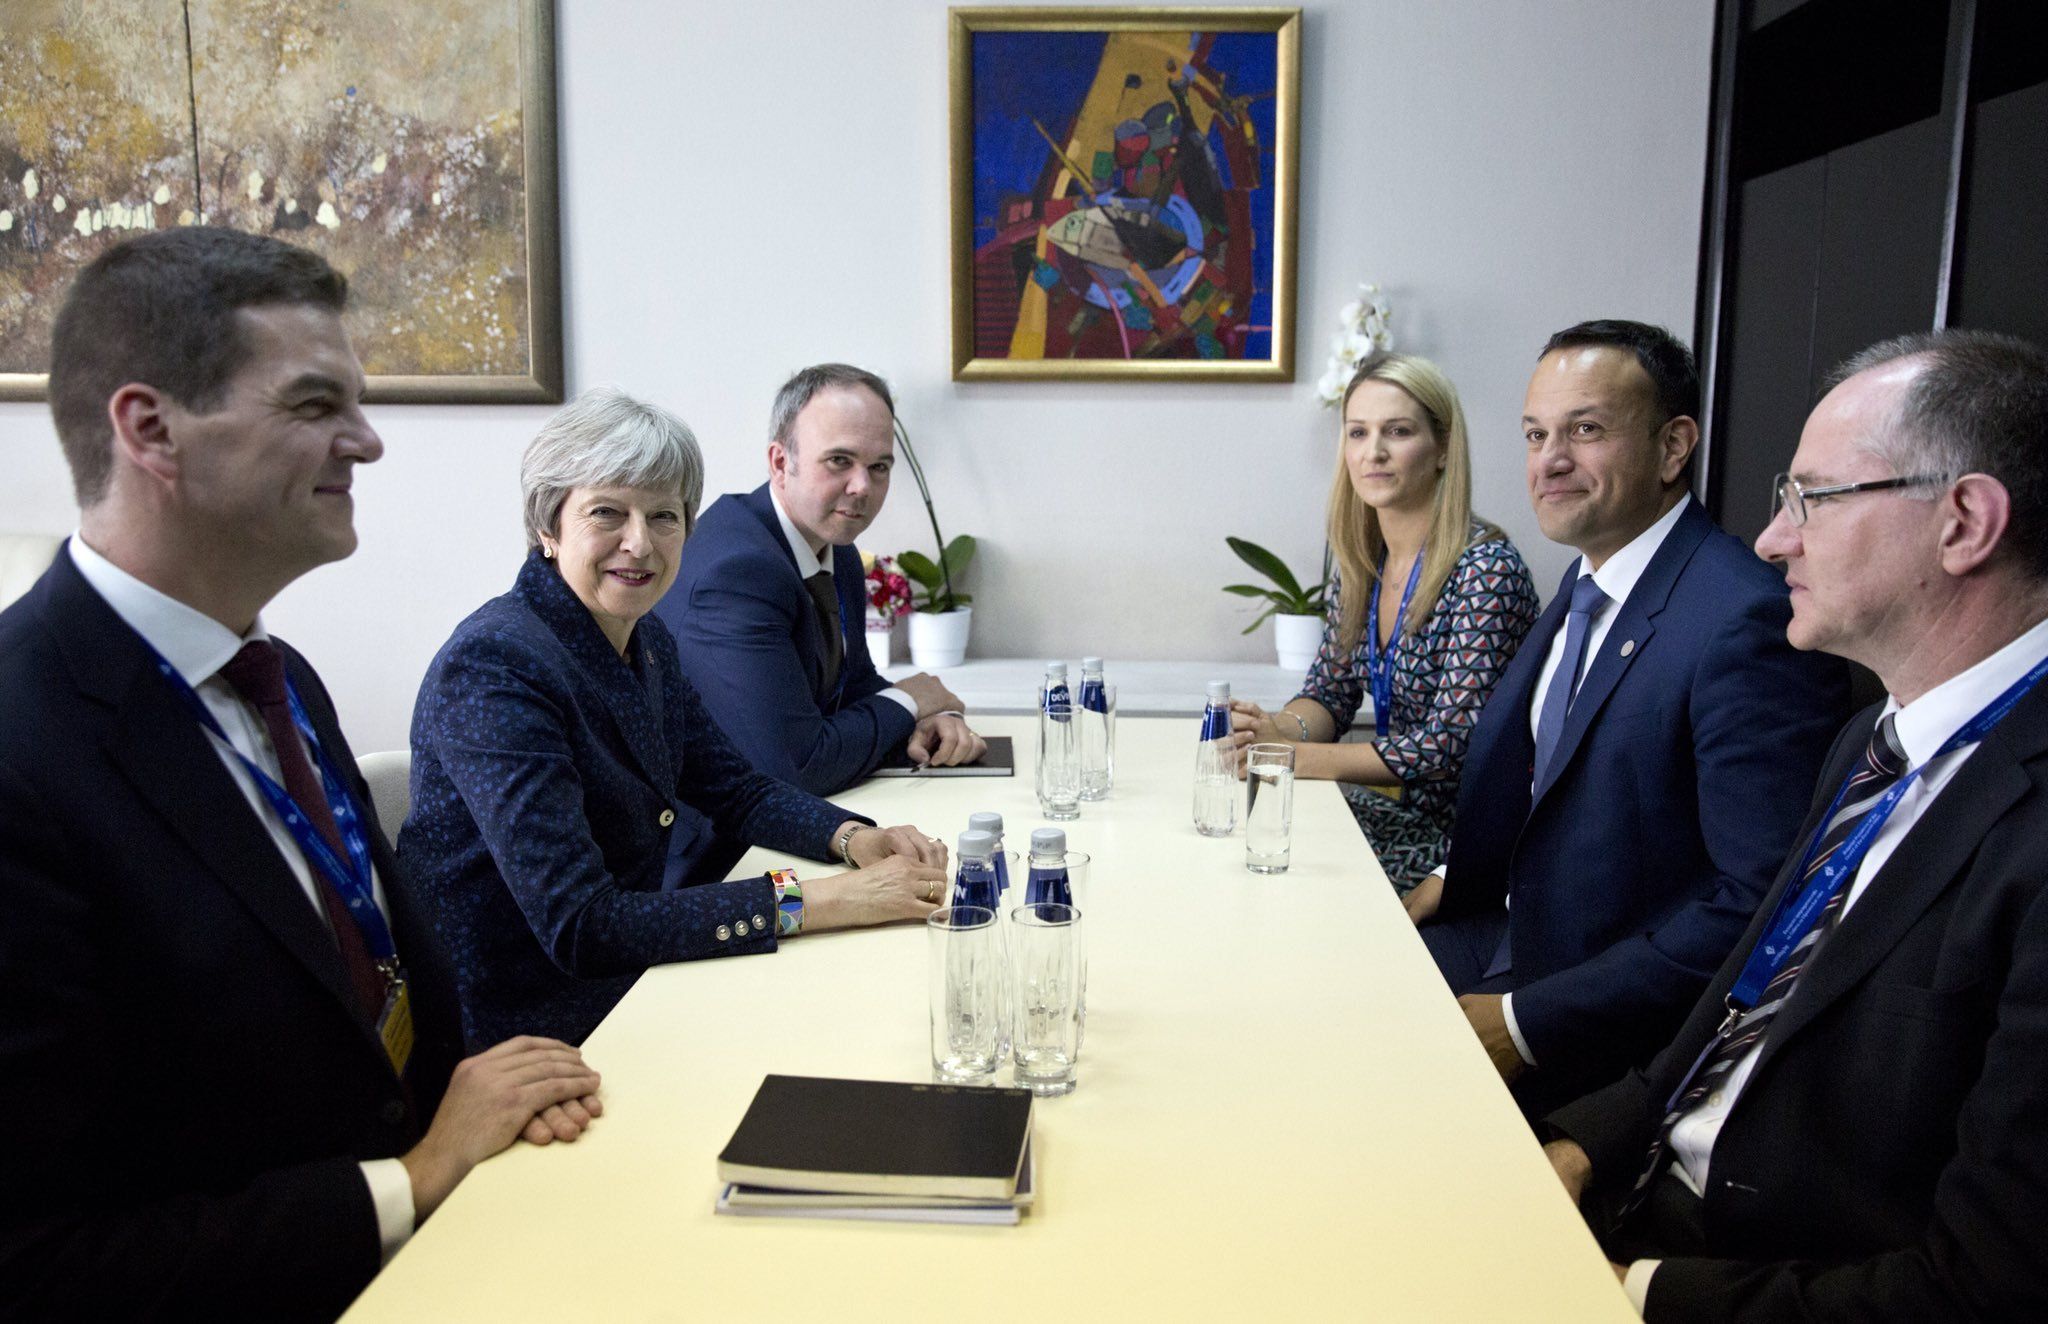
pixel 1627 639
pixel 166 757
pixel 1928 861
pixel 622 692
pixel 810 638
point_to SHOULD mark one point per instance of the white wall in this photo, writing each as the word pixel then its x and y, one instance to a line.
pixel 751 187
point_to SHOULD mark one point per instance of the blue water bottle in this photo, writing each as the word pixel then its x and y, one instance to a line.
pixel 1216 790
pixel 974 883
pixel 1059 752
pixel 993 825
pixel 1098 732
pixel 1047 882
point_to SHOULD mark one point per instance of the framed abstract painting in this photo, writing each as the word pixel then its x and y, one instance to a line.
pixel 411 145
pixel 1124 192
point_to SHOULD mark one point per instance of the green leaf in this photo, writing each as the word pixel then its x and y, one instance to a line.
pixel 959 552
pixel 1258 620
pixel 1267 564
pixel 1248 590
pixel 920 568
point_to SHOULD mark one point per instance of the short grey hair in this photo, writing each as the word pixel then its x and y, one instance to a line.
pixel 802 388
pixel 606 438
pixel 1978 404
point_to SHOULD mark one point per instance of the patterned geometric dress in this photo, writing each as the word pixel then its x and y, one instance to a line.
pixel 1442 676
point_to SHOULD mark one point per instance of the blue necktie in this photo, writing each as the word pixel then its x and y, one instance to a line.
pixel 1557 700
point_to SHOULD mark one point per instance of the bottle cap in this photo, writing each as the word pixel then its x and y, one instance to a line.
pixel 976 843
pixel 1058 669
pixel 1048 841
pixel 1091 664
pixel 1219 691
pixel 989 823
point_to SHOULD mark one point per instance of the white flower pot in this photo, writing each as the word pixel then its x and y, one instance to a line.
pixel 939 639
pixel 1296 639
pixel 879 634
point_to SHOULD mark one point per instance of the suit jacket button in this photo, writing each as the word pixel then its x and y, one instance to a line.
pixel 393 1111
pixel 740 927
pixel 760 923
pixel 668 816
pixel 724 933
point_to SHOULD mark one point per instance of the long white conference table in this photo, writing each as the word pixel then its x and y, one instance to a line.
pixel 1281 1113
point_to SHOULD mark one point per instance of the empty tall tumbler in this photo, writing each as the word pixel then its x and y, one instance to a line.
pixel 1049 996
pixel 966 955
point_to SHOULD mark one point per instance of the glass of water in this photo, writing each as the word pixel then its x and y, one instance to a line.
pixel 1050 991
pixel 966 955
pixel 1268 807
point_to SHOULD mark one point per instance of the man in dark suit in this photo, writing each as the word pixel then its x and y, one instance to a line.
pixel 769 603
pixel 1851 1123
pixel 1612 840
pixel 231 1031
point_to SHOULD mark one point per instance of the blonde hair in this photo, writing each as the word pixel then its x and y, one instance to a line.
pixel 1354 527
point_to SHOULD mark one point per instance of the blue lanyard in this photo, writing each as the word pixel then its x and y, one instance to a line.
pixel 1379 663
pixel 353 879
pixel 1796 913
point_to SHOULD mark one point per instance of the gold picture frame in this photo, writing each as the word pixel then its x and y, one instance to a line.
pixel 437 196
pixel 1159 265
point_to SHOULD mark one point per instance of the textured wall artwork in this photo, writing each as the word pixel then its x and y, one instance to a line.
pixel 397 139
pixel 1127 201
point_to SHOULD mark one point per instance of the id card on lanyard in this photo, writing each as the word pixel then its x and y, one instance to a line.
pixel 353 879
pixel 1379 662
pixel 1800 906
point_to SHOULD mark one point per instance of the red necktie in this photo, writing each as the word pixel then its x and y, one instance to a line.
pixel 257 673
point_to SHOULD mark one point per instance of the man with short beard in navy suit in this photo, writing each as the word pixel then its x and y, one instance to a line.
pixel 1637 774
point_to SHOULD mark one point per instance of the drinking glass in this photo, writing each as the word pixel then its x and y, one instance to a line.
pixel 1268 807
pixel 1098 746
pixel 1050 988
pixel 966 968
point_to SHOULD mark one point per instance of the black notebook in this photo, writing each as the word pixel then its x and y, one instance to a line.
pixel 879 1137
pixel 996 761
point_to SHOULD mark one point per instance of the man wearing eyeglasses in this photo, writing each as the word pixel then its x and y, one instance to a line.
pixel 1853 1122
pixel 1637 775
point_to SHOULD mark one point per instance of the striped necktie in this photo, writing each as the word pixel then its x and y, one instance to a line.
pixel 1884 762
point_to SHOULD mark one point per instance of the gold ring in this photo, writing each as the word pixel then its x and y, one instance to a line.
pixel 931 891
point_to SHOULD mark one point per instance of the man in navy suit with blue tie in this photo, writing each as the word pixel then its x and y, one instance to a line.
pixel 1639 772
pixel 769 601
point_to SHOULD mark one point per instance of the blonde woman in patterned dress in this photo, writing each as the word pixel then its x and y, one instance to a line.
pixel 1426 606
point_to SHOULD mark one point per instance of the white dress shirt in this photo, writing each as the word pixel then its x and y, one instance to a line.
pixel 197 647
pixel 809 563
pixel 1617 578
pixel 1923 726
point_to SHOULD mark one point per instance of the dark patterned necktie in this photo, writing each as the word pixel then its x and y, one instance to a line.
pixel 1884 762
pixel 257 673
pixel 825 598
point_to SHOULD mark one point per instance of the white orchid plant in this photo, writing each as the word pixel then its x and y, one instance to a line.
pixel 1365 328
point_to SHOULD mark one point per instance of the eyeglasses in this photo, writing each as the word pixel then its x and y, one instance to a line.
pixel 1788 493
